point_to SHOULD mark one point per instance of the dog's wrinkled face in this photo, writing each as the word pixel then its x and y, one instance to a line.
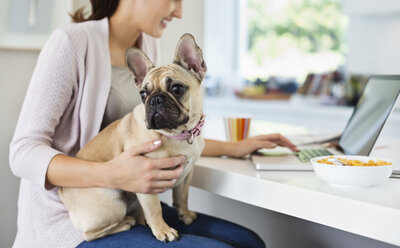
pixel 165 94
pixel 171 94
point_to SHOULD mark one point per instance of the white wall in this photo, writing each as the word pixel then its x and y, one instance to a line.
pixel 373 36
pixel 221 40
pixel 191 22
pixel 16 68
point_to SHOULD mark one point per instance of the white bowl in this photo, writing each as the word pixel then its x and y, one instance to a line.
pixel 360 176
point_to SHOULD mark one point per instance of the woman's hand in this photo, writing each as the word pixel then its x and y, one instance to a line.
pixel 269 141
pixel 130 171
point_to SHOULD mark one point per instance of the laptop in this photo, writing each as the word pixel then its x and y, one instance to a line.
pixel 369 116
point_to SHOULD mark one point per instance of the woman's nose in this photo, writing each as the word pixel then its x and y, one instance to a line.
pixel 178 10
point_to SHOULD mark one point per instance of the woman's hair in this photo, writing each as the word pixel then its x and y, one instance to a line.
pixel 100 10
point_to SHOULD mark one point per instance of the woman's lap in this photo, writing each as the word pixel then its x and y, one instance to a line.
pixel 141 237
pixel 205 231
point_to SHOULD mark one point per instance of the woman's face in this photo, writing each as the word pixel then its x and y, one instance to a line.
pixel 152 16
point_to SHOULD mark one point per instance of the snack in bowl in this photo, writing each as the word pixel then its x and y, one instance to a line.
pixel 361 171
pixel 352 162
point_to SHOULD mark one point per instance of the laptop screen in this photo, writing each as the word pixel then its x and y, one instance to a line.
pixel 370 114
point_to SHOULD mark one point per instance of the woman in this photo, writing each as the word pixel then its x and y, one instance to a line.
pixel 81 84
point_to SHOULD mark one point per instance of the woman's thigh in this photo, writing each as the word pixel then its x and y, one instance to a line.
pixel 141 237
pixel 215 228
pixel 205 231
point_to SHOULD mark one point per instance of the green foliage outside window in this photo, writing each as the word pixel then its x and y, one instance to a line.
pixel 309 31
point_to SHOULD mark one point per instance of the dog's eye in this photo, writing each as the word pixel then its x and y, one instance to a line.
pixel 177 90
pixel 143 94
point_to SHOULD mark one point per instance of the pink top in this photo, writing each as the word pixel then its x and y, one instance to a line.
pixel 63 109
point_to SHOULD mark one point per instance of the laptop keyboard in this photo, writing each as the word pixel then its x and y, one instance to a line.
pixel 306 154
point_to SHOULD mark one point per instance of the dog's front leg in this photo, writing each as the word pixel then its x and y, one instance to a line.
pixel 153 214
pixel 180 200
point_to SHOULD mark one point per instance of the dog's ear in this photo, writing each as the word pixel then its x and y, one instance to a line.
pixel 138 63
pixel 190 56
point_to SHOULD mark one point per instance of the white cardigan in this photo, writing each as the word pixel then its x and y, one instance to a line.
pixel 63 109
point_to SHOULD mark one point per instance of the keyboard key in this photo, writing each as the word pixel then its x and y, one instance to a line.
pixel 306 154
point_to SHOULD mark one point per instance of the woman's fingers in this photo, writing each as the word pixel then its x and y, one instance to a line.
pixel 145 147
pixel 136 173
pixel 168 163
pixel 287 144
pixel 158 190
pixel 282 140
pixel 169 174
pixel 161 186
pixel 164 184
pixel 165 179
pixel 156 163
pixel 266 144
pixel 279 140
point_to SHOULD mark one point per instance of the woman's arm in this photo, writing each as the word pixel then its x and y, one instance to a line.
pixel 214 148
pixel 129 171
pixel 74 172
pixel 49 94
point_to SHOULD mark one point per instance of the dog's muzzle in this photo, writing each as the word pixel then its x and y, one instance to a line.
pixel 163 113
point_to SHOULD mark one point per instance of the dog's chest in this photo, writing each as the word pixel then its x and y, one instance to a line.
pixel 187 168
pixel 191 151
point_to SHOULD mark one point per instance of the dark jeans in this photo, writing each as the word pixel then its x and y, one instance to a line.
pixel 204 232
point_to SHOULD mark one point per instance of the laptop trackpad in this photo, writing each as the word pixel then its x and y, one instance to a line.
pixel 288 162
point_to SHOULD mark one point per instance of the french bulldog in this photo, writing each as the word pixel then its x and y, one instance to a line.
pixel 171 110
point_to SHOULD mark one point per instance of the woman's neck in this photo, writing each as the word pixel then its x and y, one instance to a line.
pixel 122 35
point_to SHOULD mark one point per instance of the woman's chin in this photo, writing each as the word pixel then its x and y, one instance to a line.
pixel 156 33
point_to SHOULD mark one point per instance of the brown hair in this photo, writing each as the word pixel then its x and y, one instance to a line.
pixel 100 10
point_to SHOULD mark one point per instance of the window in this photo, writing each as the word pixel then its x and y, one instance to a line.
pixel 292 38
pixel 27 24
pixel 249 39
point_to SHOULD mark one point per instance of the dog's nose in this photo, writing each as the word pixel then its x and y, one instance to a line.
pixel 157 100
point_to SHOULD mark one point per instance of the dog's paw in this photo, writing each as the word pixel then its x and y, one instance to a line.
pixel 187 216
pixel 166 234
pixel 129 220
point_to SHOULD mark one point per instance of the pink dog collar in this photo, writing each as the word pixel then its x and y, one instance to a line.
pixel 189 135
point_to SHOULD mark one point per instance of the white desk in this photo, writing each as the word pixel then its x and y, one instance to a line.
pixel 371 212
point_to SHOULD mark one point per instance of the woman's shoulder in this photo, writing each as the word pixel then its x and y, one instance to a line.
pixel 79 33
